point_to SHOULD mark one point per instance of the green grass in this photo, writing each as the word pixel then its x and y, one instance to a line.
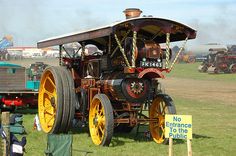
pixel 190 71
pixel 214 128
pixel 213 134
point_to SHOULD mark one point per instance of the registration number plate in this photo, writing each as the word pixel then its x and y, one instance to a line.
pixel 150 64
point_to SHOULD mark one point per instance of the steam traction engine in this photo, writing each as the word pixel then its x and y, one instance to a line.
pixel 108 88
pixel 219 61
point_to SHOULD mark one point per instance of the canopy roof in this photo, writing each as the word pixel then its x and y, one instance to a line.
pixel 149 28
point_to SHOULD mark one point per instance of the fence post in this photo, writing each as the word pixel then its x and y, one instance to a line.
pixel 189 146
pixel 6 128
pixel 170 146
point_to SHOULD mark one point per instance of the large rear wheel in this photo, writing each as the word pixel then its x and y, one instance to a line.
pixel 50 100
pixel 161 105
pixel 101 120
pixel 56 100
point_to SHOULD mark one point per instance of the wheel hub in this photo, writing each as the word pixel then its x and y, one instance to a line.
pixel 137 87
pixel 98 121
pixel 95 121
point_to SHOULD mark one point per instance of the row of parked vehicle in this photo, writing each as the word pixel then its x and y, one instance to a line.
pixel 219 61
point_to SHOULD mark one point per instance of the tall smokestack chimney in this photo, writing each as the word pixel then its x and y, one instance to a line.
pixel 132 12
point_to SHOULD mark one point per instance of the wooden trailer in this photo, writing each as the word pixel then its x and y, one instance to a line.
pixel 13 91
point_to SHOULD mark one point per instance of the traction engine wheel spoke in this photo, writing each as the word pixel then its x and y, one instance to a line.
pixel 101 130
pixel 156 126
pixel 164 110
pixel 50 95
pixel 162 128
pixel 48 108
pixel 49 122
pixel 160 106
pixel 163 136
pixel 50 119
pixel 47 112
pixel 51 81
pixel 102 120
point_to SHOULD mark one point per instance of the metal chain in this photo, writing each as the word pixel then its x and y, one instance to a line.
pixel 180 50
pixel 134 48
pixel 167 49
pixel 122 51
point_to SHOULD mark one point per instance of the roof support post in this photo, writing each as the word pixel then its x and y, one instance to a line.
pixel 122 51
pixel 122 40
pixel 83 51
pixel 134 49
pixel 66 51
pixel 167 49
pixel 180 50
pixel 109 45
pixel 60 53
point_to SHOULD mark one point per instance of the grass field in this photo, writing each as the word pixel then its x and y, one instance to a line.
pixel 214 125
pixel 190 71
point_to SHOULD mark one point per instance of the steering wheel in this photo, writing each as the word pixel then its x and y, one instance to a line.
pixel 97 53
pixel 90 70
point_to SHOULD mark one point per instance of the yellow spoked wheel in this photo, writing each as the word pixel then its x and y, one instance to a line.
pixel 161 105
pixel 50 100
pixel 56 100
pixel 101 120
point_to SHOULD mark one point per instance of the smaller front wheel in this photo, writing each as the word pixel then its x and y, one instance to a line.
pixel 101 121
pixel 161 105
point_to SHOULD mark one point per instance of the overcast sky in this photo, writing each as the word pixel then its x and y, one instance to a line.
pixel 31 20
